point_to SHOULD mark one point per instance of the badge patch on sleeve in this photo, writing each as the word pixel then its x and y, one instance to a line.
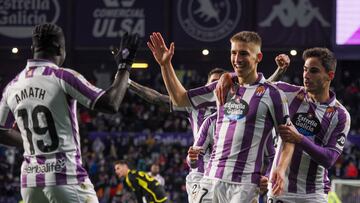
pixel 340 141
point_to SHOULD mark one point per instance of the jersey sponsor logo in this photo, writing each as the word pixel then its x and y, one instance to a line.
pixel 49 167
pixel 290 14
pixel 340 141
pixel 208 20
pixel 118 17
pixel 236 109
pixel 306 123
pixel 18 17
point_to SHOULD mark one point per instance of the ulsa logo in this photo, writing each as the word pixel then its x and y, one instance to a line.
pixel 289 14
pixel 17 18
pixel 208 20
pixel 118 17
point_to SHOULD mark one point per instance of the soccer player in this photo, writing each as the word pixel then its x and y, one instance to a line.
pixel 199 153
pixel 243 124
pixel 195 117
pixel 42 98
pixel 320 127
pixel 155 172
pixel 319 130
pixel 142 184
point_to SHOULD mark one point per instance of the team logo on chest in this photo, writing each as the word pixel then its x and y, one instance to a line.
pixel 260 91
pixel 236 108
pixel 306 123
pixel 329 111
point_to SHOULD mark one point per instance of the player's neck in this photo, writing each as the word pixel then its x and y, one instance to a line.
pixel 248 79
pixel 44 56
pixel 321 96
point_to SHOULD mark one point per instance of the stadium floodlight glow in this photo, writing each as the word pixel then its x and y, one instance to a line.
pixel 205 52
pixel 140 65
pixel 14 50
pixel 293 52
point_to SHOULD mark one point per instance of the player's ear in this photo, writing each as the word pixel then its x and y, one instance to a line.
pixel 259 57
pixel 331 75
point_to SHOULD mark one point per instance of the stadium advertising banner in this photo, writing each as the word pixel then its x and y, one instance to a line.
pixel 206 23
pixel 100 23
pixel 301 23
pixel 17 18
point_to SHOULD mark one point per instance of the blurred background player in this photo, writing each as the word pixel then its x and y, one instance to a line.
pixel 43 99
pixel 146 188
pixel 155 172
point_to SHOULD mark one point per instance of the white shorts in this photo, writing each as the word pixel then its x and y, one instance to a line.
pixel 217 191
pixel 83 193
pixel 193 185
pixel 298 198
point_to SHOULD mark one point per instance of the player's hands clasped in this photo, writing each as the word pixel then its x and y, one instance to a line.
pixel 125 55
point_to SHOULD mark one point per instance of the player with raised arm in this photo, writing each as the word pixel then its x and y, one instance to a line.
pixel 319 130
pixel 243 123
pixel 42 98
pixel 195 117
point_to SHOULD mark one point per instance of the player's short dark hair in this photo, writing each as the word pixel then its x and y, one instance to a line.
pixel 121 162
pixel 247 37
pixel 326 57
pixel 216 71
pixel 48 38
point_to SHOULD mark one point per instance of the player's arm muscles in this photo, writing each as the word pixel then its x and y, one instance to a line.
pixel 111 100
pixel 150 95
pixel 10 137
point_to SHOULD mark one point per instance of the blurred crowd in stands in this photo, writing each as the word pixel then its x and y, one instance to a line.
pixel 138 134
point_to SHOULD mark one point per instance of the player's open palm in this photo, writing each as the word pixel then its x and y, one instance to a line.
pixel 160 51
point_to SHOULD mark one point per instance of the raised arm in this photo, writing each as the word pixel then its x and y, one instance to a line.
pixel 163 56
pixel 282 62
pixel 110 101
pixel 150 95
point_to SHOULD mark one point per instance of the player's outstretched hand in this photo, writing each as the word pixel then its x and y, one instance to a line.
pixel 224 85
pixel 160 51
pixel 278 181
pixel 125 54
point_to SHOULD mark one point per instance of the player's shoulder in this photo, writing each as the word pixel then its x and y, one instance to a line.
pixel 342 109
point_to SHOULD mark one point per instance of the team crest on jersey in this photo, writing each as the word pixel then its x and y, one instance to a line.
pixel 260 91
pixel 236 109
pixel 330 111
pixel 340 141
pixel 307 124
